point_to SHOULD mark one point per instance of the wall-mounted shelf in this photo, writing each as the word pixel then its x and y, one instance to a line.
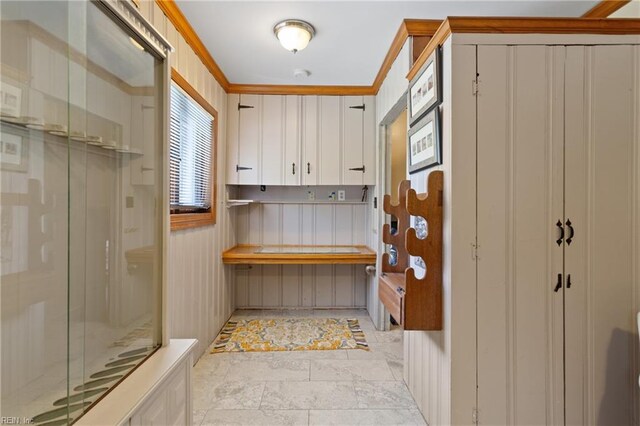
pixel 414 303
pixel 236 203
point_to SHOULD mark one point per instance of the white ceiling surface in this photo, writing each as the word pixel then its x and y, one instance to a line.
pixel 352 37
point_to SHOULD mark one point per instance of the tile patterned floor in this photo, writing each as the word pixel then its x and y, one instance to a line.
pixel 344 387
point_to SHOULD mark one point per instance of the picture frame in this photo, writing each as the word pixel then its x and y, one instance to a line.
pixel 425 90
pixel 13 152
pixel 424 142
pixel 10 100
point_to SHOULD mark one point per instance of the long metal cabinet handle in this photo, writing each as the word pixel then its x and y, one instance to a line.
pixel 358 169
pixel 238 168
pixel 293 168
pixel 559 240
pixel 571 232
pixel 559 283
pixel 569 281
pixel 308 168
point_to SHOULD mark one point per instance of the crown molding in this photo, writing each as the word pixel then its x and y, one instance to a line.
pixel 177 18
pixel 605 8
pixel 275 89
pixel 506 25
pixel 409 27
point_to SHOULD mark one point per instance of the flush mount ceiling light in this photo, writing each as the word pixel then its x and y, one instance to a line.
pixel 294 34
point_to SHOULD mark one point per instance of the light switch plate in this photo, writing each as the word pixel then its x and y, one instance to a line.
pixel 311 195
pixel 341 195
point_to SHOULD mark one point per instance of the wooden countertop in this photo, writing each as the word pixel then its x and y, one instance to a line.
pixel 298 255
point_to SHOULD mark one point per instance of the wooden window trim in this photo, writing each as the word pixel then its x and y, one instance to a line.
pixel 196 220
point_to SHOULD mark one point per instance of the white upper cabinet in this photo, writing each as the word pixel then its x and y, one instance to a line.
pixel 310 140
pixel 329 140
pixel 292 140
pixel 301 140
pixel 244 134
pixel 358 140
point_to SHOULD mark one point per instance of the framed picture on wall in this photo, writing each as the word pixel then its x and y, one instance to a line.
pixel 425 90
pixel 13 152
pixel 424 144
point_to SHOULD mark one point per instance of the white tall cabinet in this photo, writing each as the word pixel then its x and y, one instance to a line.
pixel 541 146
pixel 557 275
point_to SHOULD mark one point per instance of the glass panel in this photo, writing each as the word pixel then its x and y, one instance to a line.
pixel 114 234
pixel 33 206
pixel 81 206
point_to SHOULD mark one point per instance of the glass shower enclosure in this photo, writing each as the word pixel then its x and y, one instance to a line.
pixel 83 217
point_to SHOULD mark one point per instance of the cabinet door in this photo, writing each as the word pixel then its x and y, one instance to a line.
pixel 292 141
pixel 249 134
pixel 310 139
pixel 272 140
pixel 353 168
pixel 329 166
pixel 369 141
pixel 233 127
pixel 601 202
pixel 519 184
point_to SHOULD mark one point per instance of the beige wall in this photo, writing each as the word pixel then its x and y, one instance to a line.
pixel 200 296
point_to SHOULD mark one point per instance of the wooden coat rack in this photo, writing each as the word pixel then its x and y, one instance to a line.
pixel 423 299
pixel 414 303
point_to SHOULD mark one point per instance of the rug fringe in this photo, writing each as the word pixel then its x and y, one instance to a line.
pixel 358 334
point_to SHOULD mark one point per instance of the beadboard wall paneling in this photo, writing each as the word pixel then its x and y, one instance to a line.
pixel 200 291
pixel 393 88
pixel 444 394
pixel 274 286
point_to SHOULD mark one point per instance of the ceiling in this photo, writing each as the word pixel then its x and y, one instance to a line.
pixel 352 37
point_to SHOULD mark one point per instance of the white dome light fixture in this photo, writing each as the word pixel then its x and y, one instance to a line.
pixel 294 34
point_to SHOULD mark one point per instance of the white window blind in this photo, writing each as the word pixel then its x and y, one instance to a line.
pixel 190 137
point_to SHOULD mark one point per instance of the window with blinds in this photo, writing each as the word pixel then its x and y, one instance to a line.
pixel 190 138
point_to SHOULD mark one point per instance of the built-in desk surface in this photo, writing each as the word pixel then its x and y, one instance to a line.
pixel 298 255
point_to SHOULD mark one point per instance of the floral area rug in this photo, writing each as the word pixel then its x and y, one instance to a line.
pixel 295 334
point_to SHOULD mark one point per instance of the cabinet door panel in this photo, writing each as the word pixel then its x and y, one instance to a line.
pixel 272 146
pixel 249 135
pixel 519 198
pixel 352 140
pixel 369 141
pixel 602 107
pixel 292 141
pixel 233 127
pixel 329 146
pixel 310 139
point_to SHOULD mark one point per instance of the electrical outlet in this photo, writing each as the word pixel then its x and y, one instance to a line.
pixel 341 195
pixel 332 195
pixel 311 195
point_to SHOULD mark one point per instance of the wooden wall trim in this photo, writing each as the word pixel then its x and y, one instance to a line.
pixel 507 25
pixel 269 89
pixel 605 8
pixel 177 18
pixel 409 27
